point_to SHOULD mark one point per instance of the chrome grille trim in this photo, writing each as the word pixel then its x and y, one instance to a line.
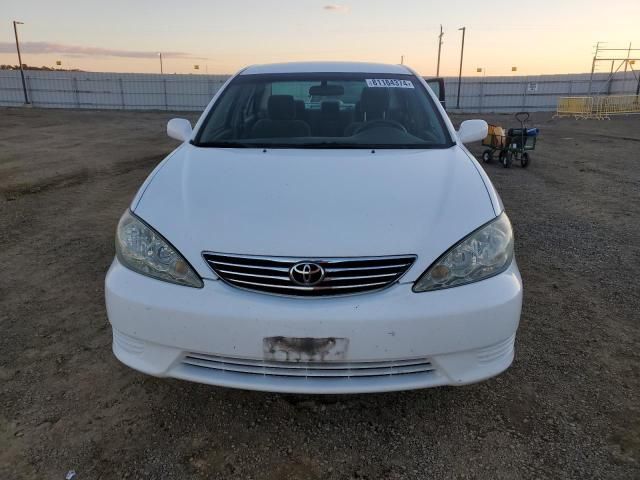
pixel 360 277
pixel 309 369
pixel 254 275
pixel 343 276
pixel 329 269
pixel 310 289
pixel 279 269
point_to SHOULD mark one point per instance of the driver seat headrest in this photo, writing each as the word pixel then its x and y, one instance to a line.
pixel 330 110
pixel 374 100
pixel 281 107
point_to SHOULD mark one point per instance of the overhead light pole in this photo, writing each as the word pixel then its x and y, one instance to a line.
pixel 464 30
pixel 439 50
pixel 24 83
pixel 161 69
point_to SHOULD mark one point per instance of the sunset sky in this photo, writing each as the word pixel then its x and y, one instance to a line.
pixel 537 36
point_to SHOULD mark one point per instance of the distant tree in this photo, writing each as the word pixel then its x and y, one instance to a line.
pixel 44 68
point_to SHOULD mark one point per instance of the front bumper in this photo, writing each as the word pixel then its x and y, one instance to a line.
pixel 465 333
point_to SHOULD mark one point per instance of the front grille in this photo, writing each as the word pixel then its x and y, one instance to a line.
pixel 342 276
pixel 309 369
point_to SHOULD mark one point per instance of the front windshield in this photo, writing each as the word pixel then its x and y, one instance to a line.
pixel 324 111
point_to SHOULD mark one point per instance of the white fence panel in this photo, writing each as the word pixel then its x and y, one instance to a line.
pixel 193 92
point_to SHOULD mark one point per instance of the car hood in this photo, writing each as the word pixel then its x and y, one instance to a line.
pixel 315 203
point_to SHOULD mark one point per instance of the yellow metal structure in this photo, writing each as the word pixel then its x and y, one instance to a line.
pixel 577 107
pixel 618 104
pixel 601 107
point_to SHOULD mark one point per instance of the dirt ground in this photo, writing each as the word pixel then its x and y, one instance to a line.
pixel 569 407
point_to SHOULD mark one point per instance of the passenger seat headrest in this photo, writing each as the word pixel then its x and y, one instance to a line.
pixel 300 109
pixel 374 100
pixel 281 107
pixel 330 110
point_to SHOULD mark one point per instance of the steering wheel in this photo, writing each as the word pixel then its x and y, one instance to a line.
pixel 380 123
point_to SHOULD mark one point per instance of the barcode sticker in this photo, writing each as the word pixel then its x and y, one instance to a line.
pixel 389 83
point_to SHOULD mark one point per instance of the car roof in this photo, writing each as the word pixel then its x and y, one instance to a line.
pixel 320 67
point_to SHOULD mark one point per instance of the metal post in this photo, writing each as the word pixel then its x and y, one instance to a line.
pixel 29 89
pixel 161 69
pixel 166 101
pixel 76 92
pixel 464 29
pixel 24 83
pixel 593 67
pixel 625 70
pixel 121 92
pixel 481 96
pixel 439 50
pixel 610 80
pixel 625 65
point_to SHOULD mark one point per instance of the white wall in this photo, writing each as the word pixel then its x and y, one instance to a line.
pixel 193 92
pixel 532 93
pixel 110 90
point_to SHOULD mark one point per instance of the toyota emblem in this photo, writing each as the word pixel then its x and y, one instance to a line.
pixel 306 274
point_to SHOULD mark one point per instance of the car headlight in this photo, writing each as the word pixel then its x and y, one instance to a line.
pixel 484 253
pixel 143 250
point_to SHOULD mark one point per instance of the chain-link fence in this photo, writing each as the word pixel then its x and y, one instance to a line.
pixel 193 92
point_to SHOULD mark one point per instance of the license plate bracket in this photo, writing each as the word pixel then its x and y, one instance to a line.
pixel 305 349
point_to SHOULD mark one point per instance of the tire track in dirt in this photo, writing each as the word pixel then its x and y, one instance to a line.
pixel 85 175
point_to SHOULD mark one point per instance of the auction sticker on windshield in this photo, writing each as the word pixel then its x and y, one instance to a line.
pixel 389 83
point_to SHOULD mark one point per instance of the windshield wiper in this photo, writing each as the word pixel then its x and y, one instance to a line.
pixel 226 145
pixel 321 145
pixel 371 146
pixel 329 145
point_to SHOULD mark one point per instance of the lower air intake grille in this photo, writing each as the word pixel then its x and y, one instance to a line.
pixel 309 369
pixel 308 277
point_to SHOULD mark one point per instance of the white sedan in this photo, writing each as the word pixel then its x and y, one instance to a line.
pixel 322 229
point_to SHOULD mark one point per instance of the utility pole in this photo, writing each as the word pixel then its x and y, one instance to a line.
pixel 161 70
pixel 439 50
pixel 464 30
pixel 24 83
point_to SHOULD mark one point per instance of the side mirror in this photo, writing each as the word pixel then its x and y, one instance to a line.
pixel 472 131
pixel 180 129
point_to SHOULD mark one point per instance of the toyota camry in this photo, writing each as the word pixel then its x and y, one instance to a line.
pixel 321 229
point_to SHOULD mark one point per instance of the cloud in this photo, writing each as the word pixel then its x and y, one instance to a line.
pixel 76 50
pixel 337 8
